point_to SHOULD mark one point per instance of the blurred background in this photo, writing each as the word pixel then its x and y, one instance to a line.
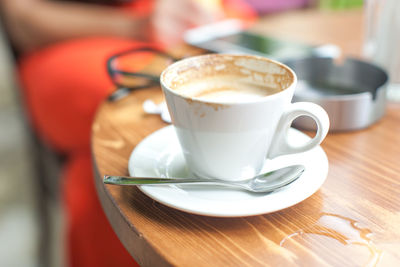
pixel 18 233
pixel 23 234
pixel 31 214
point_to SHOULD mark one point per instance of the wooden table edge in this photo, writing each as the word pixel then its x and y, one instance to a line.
pixel 136 245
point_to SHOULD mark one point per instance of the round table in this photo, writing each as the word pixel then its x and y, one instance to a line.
pixel 353 220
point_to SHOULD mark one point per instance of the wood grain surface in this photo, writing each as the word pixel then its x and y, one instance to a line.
pixel 353 220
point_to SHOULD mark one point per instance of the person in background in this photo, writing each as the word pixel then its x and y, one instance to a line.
pixel 61 49
pixel 270 6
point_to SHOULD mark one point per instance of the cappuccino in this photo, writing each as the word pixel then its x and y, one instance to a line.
pixel 224 89
pixel 227 78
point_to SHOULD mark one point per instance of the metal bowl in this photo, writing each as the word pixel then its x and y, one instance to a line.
pixel 353 92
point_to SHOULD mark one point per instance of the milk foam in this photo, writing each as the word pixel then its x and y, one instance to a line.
pixel 224 90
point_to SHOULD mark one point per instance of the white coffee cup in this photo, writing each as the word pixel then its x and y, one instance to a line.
pixel 226 122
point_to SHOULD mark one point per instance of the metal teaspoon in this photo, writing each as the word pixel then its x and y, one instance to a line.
pixel 266 182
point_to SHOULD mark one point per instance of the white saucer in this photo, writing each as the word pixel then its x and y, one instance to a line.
pixel 160 155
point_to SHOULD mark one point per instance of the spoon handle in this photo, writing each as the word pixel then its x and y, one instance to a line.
pixel 262 183
pixel 126 180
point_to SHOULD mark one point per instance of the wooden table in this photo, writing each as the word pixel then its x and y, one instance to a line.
pixel 353 220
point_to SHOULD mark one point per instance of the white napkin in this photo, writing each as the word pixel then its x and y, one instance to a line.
pixel 152 108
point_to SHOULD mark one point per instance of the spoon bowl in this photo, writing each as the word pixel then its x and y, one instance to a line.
pixel 263 183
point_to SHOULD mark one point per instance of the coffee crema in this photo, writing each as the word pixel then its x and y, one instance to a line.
pixel 224 90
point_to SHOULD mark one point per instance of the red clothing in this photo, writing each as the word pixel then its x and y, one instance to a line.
pixel 63 84
pixel 91 240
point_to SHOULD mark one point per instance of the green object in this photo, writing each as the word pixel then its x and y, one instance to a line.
pixel 340 4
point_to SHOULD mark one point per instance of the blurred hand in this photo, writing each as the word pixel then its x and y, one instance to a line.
pixel 171 18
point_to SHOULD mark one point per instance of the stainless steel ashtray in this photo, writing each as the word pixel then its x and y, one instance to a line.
pixel 353 92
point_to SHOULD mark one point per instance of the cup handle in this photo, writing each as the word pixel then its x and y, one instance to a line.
pixel 280 145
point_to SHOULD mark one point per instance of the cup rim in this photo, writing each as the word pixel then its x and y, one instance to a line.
pixel 196 99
